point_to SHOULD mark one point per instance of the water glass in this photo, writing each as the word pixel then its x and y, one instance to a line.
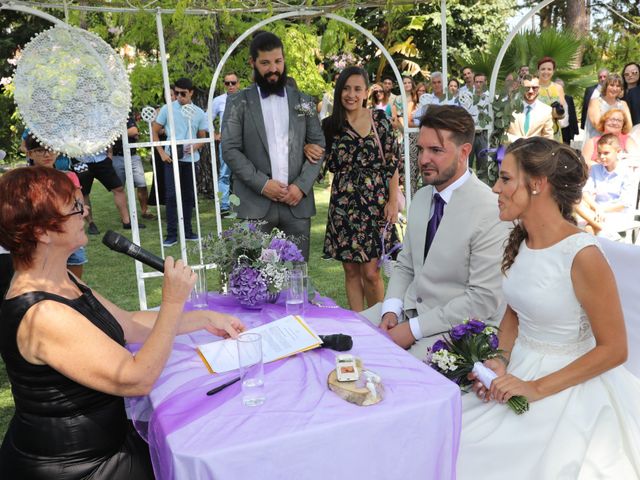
pixel 199 292
pixel 302 266
pixel 295 294
pixel 251 369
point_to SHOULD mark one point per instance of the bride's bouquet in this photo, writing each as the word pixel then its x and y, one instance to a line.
pixel 462 351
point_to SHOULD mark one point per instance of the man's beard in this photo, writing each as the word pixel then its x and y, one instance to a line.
pixel 269 86
pixel 443 176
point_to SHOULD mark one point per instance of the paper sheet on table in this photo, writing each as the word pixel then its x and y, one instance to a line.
pixel 281 338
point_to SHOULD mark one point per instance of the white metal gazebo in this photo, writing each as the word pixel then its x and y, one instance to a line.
pixel 283 10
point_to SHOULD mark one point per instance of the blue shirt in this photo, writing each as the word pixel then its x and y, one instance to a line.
pixel 217 107
pixel 611 187
pixel 198 123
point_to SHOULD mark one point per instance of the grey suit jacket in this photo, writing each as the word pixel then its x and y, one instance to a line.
pixel 461 275
pixel 245 149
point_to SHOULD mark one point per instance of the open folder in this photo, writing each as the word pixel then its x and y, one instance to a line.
pixel 281 338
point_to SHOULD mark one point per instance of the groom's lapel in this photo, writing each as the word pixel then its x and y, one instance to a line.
pixel 255 109
pixel 293 99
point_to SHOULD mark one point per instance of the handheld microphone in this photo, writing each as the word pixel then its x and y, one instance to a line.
pixel 118 243
pixel 338 342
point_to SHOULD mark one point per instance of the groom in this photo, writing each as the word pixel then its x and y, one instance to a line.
pixel 449 267
pixel 267 130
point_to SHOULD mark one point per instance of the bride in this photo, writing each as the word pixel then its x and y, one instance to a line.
pixel 563 338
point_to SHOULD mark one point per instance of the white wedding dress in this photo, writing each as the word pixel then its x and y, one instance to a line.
pixel 589 431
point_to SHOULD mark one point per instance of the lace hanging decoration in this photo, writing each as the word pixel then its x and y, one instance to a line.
pixel 72 91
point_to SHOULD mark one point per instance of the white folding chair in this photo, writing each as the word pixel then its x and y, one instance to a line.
pixel 625 263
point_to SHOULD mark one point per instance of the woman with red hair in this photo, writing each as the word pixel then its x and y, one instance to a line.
pixel 616 122
pixel 552 94
pixel 64 345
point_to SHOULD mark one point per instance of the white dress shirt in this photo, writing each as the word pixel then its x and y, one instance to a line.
pixel 275 113
pixel 395 304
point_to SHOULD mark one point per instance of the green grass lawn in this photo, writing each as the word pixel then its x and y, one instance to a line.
pixel 113 274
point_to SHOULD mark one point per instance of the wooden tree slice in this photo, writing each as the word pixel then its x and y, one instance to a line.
pixel 351 392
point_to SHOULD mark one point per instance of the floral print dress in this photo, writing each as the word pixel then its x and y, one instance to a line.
pixel 359 193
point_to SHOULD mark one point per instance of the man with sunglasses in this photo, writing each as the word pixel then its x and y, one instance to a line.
pixel 217 106
pixel 267 130
pixel 535 120
pixel 186 155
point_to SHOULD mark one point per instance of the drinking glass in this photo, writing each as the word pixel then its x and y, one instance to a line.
pixel 199 292
pixel 295 294
pixel 302 266
pixel 251 369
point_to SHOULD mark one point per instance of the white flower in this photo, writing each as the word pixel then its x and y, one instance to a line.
pixel 308 109
pixel 445 360
pixel 269 255
pixel 490 331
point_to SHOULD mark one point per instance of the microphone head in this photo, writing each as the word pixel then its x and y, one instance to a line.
pixel 115 241
pixel 337 341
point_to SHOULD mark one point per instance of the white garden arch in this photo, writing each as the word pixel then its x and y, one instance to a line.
pixel 289 12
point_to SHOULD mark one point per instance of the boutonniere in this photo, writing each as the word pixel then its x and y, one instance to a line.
pixel 307 109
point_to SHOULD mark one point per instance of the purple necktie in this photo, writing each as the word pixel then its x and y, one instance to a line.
pixel 434 222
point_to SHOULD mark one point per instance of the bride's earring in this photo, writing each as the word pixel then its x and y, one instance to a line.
pixel 534 192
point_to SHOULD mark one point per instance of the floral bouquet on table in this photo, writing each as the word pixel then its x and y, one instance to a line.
pixel 255 263
pixel 462 351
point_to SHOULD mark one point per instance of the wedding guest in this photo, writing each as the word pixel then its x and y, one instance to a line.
pixel 610 98
pixel 610 193
pixel 361 150
pixel 453 87
pixel 630 77
pixel 616 122
pixel 467 77
pixel 56 333
pixel 397 118
pixel 569 126
pixel 421 89
pixel 449 265
pixel 552 93
pixel 592 92
pixel 562 336
pixel 379 99
pixel 44 157
pixel 272 178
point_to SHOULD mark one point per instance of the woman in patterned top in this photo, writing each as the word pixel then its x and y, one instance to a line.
pixel 361 152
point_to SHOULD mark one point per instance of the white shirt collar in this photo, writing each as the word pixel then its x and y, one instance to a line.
pixel 448 192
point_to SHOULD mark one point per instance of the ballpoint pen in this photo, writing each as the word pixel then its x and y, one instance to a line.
pixel 223 386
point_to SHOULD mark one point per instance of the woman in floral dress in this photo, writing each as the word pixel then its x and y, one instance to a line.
pixel 362 154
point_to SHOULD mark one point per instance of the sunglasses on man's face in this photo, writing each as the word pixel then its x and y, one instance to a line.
pixel 182 93
pixel 230 83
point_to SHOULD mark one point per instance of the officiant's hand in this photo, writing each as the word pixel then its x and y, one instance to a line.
pixel 507 386
pixel 498 366
pixel 293 196
pixel 274 190
pixel 178 282
pixel 223 325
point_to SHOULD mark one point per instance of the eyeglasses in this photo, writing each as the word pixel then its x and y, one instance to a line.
pixel 535 89
pixel 614 120
pixel 78 209
pixel 42 151
pixel 230 83
pixel 182 93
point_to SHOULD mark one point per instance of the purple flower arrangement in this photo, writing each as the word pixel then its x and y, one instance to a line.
pixel 461 348
pixel 256 263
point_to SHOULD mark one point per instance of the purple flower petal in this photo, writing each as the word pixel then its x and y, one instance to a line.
pixel 459 331
pixel 475 326
pixel 439 345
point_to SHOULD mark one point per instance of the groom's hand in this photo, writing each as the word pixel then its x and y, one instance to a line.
pixel 401 334
pixel 293 196
pixel 389 320
pixel 274 190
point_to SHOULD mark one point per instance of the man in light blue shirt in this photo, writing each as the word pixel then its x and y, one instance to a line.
pixel 217 106
pixel 186 156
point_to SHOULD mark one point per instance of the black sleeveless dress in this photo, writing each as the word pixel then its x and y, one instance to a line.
pixel 62 430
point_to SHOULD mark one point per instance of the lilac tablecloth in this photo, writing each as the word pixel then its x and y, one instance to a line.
pixel 303 431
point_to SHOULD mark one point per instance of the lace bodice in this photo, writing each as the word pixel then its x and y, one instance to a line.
pixel 539 289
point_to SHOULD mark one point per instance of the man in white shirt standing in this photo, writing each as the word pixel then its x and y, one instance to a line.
pixel 449 267
pixel 467 76
pixel 536 119
pixel 268 129
pixel 224 173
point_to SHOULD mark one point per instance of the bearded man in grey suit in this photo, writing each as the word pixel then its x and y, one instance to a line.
pixel 267 131
pixel 449 267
